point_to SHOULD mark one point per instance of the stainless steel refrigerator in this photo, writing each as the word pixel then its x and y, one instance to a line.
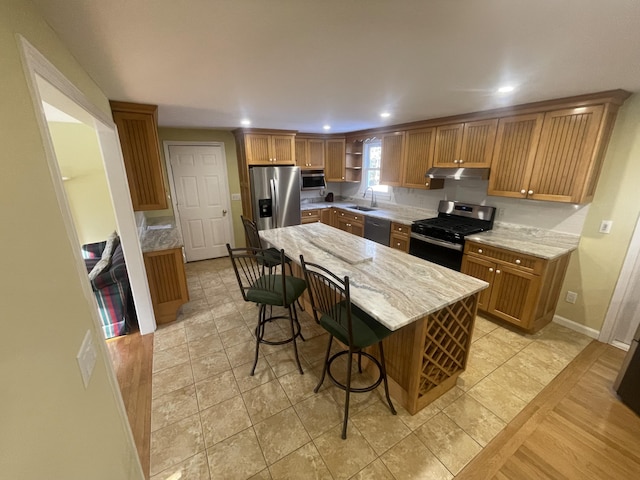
pixel 275 196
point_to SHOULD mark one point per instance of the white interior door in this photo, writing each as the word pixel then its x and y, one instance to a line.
pixel 202 197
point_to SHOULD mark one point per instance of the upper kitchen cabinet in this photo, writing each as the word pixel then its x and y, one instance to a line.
pixel 554 156
pixel 334 170
pixel 138 132
pixel 418 158
pixel 391 168
pixel 467 144
pixel 514 155
pixel 269 148
pixel 310 153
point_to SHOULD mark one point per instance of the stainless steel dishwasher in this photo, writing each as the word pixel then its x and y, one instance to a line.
pixel 377 229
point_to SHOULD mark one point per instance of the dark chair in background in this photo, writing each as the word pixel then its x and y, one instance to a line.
pixel 272 255
pixel 261 282
pixel 333 310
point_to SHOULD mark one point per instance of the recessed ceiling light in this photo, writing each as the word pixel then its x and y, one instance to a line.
pixel 245 122
pixel 506 89
pixel 327 127
pixel 385 114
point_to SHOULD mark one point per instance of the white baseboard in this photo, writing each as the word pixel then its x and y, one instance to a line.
pixel 578 327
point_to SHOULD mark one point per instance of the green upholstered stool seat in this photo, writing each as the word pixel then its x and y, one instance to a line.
pixel 268 290
pixel 366 330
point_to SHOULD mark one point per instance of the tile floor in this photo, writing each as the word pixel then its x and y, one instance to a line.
pixel 211 420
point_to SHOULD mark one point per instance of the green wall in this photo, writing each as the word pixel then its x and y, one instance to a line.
pixel 87 190
pixel 595 266
pixel 51 427
pixel 208 135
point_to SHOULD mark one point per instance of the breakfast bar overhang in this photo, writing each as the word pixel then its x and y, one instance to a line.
pixel 430 308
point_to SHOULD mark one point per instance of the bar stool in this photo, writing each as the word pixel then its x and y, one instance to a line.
pixel 333 310
pixel 261 283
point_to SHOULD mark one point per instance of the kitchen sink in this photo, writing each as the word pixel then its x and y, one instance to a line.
pixel 364 209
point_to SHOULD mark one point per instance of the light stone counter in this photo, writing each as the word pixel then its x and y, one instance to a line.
pixel 394 288
pixel 160 233
pixel 405 215
pixel 540 243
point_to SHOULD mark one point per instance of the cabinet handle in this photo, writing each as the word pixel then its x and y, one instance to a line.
pixel 426 184
pixel 456 161
pixel 518 262
pixel 479 250
pixel 342 214
pixel 342 178
pixel 490 269
pixel 523 191
pixel 398 244
pixel 309 214
pixel 497 271
pixel 400 229
pixel 530 192
pixel 355 218
pixel 460 161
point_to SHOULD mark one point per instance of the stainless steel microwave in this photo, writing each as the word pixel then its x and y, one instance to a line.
pixel 312 180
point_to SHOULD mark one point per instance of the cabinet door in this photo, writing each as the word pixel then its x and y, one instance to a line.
pixel 514 153
pixel 565 153
pixel 302 152
pixel 310 216
pixel 399 242
pixel 448 145
pixel 334 161
pixel 418 157
pixel 325 216
pixel 167 282
pixel 513 296
pixel 343 223
pixel 138 135
pixel 478 139
pixel 258 149
pixel 316 153
pixel 283 151
pixel 357 229
pixel 391 167
pixel 483 270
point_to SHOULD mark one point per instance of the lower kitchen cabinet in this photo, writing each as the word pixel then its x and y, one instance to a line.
pixel 310 216
pixel 167 282
pixel 523 289
pixel 350 222
pixel 400 236
pixel 326 215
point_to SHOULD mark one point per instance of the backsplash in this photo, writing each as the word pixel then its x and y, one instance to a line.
pixel 559 217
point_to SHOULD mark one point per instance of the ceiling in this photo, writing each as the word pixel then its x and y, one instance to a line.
pixel 301 64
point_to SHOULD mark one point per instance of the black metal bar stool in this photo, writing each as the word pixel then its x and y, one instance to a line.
pixel 261 283
pixel 333 310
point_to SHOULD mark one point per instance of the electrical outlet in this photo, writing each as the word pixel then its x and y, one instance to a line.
pixel 571 297
pixel 86 357
pixel 605 226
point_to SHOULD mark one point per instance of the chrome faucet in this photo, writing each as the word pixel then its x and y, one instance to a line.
pixel 373 196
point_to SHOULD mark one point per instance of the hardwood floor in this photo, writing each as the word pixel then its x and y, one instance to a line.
pixel 576 428
pixel 132 357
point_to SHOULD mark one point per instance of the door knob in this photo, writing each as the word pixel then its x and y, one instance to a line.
pixel 224 212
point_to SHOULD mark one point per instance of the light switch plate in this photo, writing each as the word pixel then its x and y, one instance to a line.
pixel 235 196
pixel 571 297
pixel 87 358
pixel 605 226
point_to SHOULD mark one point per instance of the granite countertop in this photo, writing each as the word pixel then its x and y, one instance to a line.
pixel 540 243
pixel 160 233
pixel 405 215
pixel 394 288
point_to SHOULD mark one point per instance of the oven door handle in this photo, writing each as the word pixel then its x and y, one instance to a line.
pixel 433 241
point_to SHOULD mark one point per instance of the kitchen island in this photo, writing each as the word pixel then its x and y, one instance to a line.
pixel 430 308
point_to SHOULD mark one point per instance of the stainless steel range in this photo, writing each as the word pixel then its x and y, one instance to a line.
pixel 441 239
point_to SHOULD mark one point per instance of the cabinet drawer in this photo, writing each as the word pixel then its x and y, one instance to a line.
pixel 400 229
pixel 352 217
pixel 310 216
pixel 526 263
pixel 399 241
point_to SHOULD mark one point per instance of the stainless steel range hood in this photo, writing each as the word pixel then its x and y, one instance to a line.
pixel 458 173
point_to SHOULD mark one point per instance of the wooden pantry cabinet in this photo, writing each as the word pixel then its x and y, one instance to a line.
pixel 523 289
pixel 391 168
pixel 334 169
pixel 468 144
pixel 138 133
